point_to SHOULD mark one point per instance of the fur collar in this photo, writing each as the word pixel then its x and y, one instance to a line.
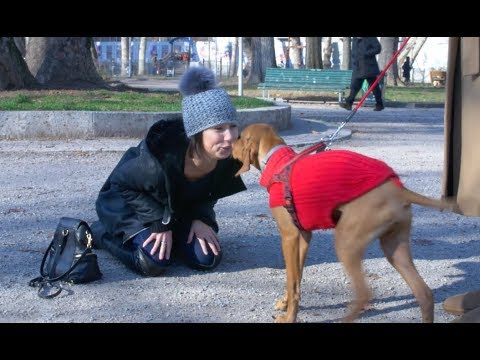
pixel 165 136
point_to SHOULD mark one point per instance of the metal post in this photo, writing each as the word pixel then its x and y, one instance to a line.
pixel 130 52
pixel 209 61
pixel 240 66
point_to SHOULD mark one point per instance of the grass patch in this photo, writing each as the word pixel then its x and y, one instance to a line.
pixel 157 101
pixel 425 94
pixel 104 100
pixel 417 93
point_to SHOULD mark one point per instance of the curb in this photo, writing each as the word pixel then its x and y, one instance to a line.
pixel 18 125
pixel 388 104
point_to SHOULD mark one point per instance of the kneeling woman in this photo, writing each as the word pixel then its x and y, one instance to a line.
pixel 159 199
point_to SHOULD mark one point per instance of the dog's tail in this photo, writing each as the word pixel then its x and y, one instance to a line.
pixel 442 204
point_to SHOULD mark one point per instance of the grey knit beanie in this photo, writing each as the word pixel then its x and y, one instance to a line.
pixel 204 105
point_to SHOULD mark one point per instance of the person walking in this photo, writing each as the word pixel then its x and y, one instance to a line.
pixel 158 202
pixel 406 68
pixel 461 176
pixel 364 67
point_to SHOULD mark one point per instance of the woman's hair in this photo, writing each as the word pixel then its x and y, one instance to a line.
pixel 196 144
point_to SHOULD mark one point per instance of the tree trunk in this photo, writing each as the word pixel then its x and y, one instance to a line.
pixel 14 73
pixel 234 56
pixel 20 42
pixel 247 52
pixel 255 74
pixel 327 53
pixel 262 57
pixel 142 49
pixel 418 47
pixel 62 62
pixel 125 50
pixel 267 53
pixel 389 47
pixel 295 52
pixel 412 49
pixel 313 58
pixel 347 53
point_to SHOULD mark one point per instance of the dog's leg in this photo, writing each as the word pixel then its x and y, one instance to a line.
pixel 396 246
pixel 350 250
pixel 291 238
pixel 305 237
pixel 355 230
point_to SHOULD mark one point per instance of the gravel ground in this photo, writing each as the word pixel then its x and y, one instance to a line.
pixel 44 180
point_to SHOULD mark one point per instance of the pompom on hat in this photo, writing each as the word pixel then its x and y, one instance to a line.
pixel 204 105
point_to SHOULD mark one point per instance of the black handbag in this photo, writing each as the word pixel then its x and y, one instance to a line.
pixel 68 258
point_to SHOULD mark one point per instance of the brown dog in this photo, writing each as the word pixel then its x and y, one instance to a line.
pixel 368 201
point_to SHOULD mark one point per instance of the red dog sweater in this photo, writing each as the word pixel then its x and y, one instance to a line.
pixel 320 182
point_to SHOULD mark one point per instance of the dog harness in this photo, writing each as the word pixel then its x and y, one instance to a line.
pixel 311 187
pixel 283 176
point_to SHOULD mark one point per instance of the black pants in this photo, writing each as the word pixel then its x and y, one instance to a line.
pixel 138 258
pixel 356 85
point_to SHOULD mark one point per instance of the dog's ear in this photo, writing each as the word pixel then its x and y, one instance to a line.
pixel 248 152
pixel 244 157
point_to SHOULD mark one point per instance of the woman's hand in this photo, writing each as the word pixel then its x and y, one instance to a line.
pixel 163 241
pixel 205 235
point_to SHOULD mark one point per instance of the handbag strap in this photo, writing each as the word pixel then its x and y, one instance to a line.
pixel 44 280
pixel 44 286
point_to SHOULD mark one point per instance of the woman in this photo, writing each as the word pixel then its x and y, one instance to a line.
pixel 159 199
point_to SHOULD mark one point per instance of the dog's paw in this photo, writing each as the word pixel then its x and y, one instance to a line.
pixel 281 304
pixel 355 309
pixel 280 318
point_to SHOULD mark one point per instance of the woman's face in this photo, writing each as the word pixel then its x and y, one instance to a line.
pixel 218 140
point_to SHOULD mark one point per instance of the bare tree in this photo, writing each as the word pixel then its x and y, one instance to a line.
pixel 125 50
pixel 142 49
pixel 347 53
pixel 389 47
pixel 234 56
pixel 313 58
pixel 62 62
pixel 412 49
pixel 14 73
pixel 268 58
pixel 262 57
pixel 255 63
pixel 295 52
pixel 94 52
pixel 327 53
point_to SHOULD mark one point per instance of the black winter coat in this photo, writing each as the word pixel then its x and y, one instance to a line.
pixel 364 61
pixel 145 188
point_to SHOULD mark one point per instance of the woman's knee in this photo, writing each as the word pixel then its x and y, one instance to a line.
pixel 196 259
pixel 145 263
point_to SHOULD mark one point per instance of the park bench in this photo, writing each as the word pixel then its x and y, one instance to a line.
pixel 325 80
